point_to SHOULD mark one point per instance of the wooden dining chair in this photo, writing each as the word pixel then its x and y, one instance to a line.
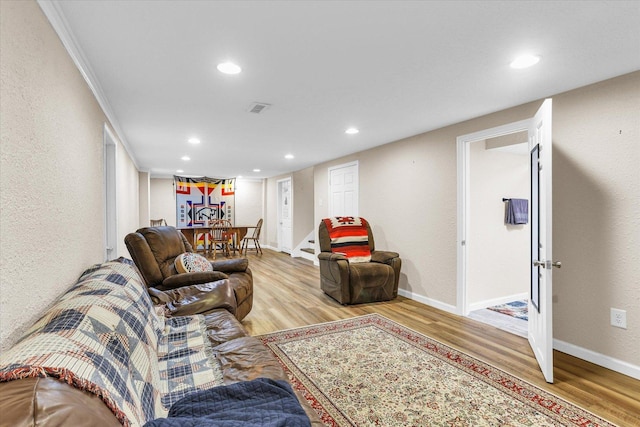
pixel 255 237
pixel 157 222
pixel 221 235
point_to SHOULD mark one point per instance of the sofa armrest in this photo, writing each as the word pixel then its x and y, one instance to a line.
pixel 188 279
pixel 200 299
pixel 231 265
pixel 384 257
pixel 330 256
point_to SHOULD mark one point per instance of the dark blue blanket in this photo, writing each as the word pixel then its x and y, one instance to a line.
pixel 261 402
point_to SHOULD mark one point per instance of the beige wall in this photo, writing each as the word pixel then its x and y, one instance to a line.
pixel 408 192
pixel 128 198
pixel 303 221
pixel 249 201
pixel 498 254
pixel 162 202
pixel 51 170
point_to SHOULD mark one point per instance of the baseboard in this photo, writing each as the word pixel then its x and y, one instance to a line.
pixel 429 301
pixel 599 359
pixel 497 301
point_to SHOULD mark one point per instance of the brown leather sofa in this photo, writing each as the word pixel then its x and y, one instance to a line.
pixel 358 283
pixel 154 250
pixel 46 401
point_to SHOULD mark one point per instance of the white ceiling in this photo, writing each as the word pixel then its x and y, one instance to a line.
pixel 391 68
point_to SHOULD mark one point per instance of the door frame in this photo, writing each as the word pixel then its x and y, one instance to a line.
pixel 279 211
pixel 463 144
pixel 357 186
pixel 110 182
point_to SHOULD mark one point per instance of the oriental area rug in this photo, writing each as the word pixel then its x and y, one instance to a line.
pixel 371 371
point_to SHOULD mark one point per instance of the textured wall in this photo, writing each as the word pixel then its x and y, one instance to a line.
pixel 52 177
pixel 408 192
pixel 596 205
pixel 51 169
pixel 162 201
pixel 249 202
pixel 128 196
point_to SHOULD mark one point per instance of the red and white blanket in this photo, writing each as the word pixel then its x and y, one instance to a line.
pixel 349 237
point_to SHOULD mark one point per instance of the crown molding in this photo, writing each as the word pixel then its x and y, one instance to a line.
pixel 54 14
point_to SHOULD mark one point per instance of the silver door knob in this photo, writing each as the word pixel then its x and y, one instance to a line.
pixel 547 264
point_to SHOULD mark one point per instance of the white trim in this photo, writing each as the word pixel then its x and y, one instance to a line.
pixel 599 359
pixel 55 15
pixel 496 301
pixel 428 301
pixel 463 143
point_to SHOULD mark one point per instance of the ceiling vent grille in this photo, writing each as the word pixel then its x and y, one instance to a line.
pixel 258 107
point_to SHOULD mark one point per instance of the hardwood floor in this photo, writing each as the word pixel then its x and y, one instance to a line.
pixel 287 295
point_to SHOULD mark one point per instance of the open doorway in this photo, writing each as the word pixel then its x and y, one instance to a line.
pixel 497 276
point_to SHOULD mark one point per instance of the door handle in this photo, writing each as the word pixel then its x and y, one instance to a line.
pixel 547 264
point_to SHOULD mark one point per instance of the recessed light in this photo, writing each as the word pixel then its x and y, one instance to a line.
pixel 351 131
pixel 256 170
pixel 179 171
pixel 229 68
pixel 193 141
pixel 525 61
pixel 185 158
pixel 288 156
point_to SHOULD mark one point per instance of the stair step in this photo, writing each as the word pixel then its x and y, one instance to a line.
pixel 308 250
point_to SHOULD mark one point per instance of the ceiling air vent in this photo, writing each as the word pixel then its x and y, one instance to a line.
pixel 258 107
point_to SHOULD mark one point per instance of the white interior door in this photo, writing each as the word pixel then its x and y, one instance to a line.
pixel 343 190
pixel 540 323
pixel 284 215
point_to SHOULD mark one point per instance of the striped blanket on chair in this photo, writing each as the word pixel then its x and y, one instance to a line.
pixel 349 237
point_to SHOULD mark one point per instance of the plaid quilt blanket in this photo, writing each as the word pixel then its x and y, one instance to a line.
pixel 105 336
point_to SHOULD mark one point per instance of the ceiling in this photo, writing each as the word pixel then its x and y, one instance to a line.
pixel 392 69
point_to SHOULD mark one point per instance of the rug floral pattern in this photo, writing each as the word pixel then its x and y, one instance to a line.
pixel 370 371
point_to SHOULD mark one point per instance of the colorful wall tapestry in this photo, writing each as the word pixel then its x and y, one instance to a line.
pixel 200 201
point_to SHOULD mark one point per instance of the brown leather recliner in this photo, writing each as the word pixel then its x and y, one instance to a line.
pixel 154 250
pixel 358 283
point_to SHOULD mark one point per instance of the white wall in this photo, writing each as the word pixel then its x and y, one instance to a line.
pixel 498 254
pixel 162 202
pixel 51 170
pixel 249 202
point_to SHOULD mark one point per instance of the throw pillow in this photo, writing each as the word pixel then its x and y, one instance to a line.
pixel 190 262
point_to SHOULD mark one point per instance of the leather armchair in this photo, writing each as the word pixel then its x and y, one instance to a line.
pixel 358 283
pixel 154 250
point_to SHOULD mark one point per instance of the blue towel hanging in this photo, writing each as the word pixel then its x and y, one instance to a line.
pixel 516 211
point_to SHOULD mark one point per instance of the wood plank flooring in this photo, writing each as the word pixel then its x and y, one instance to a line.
pixel 287 294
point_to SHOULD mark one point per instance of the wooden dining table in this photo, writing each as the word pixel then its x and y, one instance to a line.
pixel 238 231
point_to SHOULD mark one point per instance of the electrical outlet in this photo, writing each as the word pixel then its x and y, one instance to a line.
pixel 619 318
